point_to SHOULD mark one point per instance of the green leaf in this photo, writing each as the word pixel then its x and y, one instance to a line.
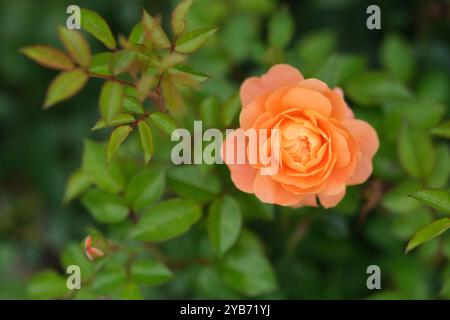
pixel 74 255
pixel 231 109
pixel 105 207
pixel 434 86
pixel 397 57
pixel 150 272
pixel 110 100
pixel 253 209
pixel 107 281
pixel 119 119
pixel 428 232
pixel 442 130
pixel 145 188
pixel 154 31
pixel 179 22
pixel 240 36
pixel 210 112
pixel 211 285
pixel 191 183
pixel 137 35
pixel 419 113
pixel 317 46
pixel 281 28
pixel 131 291
pixel 64 86
pixel 416 151
pixel 77 183
pixel 168 219
pixel 76 45
pixel 117 137
pixel 224 223
pixel 100 63
pixel 374 88
pixel 97 26
pixel 439 177
pixel 48 57
pixel 132 104
pixel 193 40
pixel 108 178
pixel 146 140
pixel 436 198
pixel 397 200
pixel 339 69
pixel 164 122
pixel 47 285
pixel 121 61
pixel 246 269
pixel 186 75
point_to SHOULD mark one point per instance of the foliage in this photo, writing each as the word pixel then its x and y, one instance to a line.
pixel 185 231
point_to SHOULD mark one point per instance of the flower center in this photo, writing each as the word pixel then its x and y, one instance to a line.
pixel 303 152
pixel 300 141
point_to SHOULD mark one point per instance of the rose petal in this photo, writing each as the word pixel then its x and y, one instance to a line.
pixel 331 201
pixel 278 76
pixel 305 99
pixel 270 191
pixel 365 135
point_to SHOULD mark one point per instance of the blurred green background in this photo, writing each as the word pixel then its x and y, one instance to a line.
pixel 315 254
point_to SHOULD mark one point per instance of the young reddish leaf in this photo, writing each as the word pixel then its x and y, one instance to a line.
pixel 48 57
pixel 119 119
pixel 132 104
pixel 93 23
pixel 110 100
pixel 193 40
pixel 146 140
pixel 154 31
pixel 64 86
pixel 428 232
pixel 143 86
pixel 171 60
pixel 172 96
pixel 117 137
pixel 76 45
pixel 179 16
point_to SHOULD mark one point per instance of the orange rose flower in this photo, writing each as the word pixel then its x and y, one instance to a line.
pixel 323 148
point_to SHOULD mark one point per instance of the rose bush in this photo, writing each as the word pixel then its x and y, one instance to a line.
pixel 323 147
